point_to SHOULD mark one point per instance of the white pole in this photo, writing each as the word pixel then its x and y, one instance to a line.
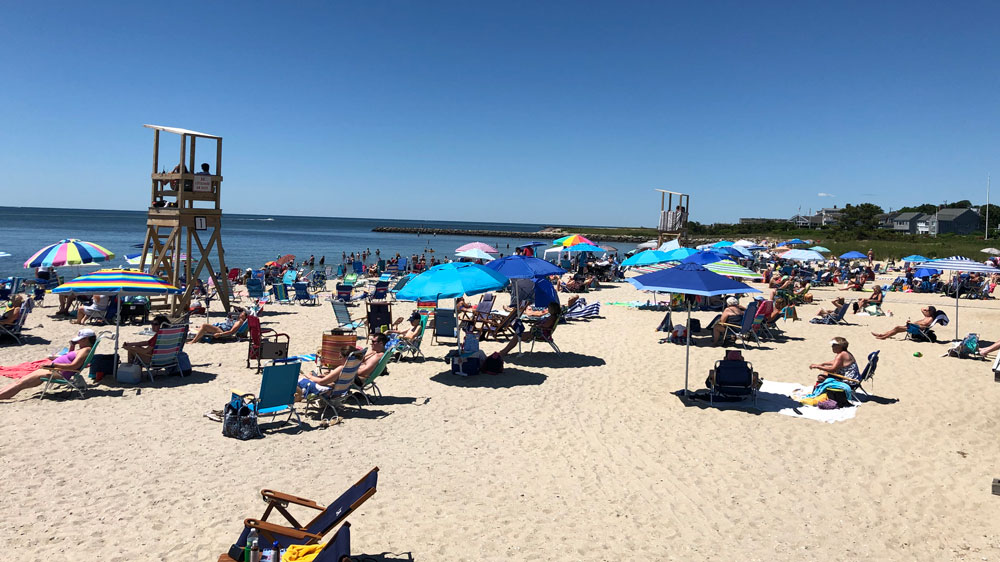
pixel 987 237
pixel 687 352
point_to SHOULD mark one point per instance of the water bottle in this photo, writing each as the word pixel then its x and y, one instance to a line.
pixel 250 546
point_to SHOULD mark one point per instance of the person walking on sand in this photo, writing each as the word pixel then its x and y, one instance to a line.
pixel 871 257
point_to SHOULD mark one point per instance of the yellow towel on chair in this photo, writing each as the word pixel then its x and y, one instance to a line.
pixel 302 552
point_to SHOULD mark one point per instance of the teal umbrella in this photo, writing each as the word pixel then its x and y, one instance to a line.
pixel 820 249
pixel 452 280
pixel 583 248
pixel 648 257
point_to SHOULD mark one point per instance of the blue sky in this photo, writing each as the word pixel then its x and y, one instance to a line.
pixel 551 112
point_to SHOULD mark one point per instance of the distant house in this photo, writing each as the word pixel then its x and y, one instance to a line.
pixel 885 220
pixel 800 221
pixel 829 215
pixel 906 222
pixel 953 221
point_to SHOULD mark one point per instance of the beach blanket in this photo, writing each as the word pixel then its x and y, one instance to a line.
pixel 22 370
pixel 782 398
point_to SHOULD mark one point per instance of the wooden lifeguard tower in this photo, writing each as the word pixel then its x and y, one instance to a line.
pixel 184 222
pixel 673 216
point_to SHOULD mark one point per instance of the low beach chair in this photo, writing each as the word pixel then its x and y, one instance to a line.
pixel 368 389
pixel 482 311
pixel 916 333
pixel 265 343
pixel 730 378
pixel 377 315
pixel 343 317
pixel 344 292
pixel 77 381
pixel 581 310
pixel 302 294
pixel 14 330
pixel 445 325
pixel 381 291
pixel 539 335
pixel 836 317
pixel 278 385
pixel 342 391
pixel 279 293
pixel 359 268
pixel 499 326
pixel 330 347
pixel 338 549
pixel 867 375
pixel 292 532
pixel 399 285
pixel 169 343
pixel 107 306
pixel 745 329
pixel 413 348
pixel 255 290
pixel 351 279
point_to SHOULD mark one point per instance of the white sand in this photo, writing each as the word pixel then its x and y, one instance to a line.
pixel 586 456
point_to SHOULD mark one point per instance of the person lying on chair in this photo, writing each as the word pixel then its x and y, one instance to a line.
pixel 407 334
pixel 79 349
pixel 842 366
pixel 876 298
pixel 837 302
pixel 929 313
pixel 221 330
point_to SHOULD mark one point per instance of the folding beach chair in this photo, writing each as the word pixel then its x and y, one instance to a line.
pixel 317 281
pixel 343 317
pixel 916 333
pixel 331 346
pixel 278 385
pixel 77 382
pixel 745 328
pixel 255 290
pixel 836 317
pixel 340 392
pixel 359 267
pixel 169 343
pixel 344 292
pixel 351 279
pixel 265 343
pixel 581 310
pixel 867 375
pixel 547 338
pixel 482 311
pixel 732 377
pixel 14 330
pixel 377 315
pixel 108 307
pixel 312 532
pixel 445 325
pixel 399 285
pixel 290 277
pixel 426 308
pixel 381 291
pixel 500 326
pixel 279 292
pixel 413 348
pixel 302 295
pixel 368 389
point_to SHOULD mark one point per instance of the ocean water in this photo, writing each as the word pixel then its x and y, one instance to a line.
pixel 248 240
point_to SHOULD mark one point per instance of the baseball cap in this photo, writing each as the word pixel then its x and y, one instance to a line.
pixel 83 334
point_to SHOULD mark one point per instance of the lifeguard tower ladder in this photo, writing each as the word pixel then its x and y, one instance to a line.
pixel 673 216
pixel 184 222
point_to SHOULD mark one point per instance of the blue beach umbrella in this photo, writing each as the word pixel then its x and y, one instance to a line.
pixel 679 254
pixel 689 279
pixel 583 248
pixel 915 258
pixel 925 272
pixel 648 257
pixel 524 267
pixel 852 255
pixel 702 258
pixel 452 280
pixel 722 244
pixel 793 242
pixel 532 245
pixel 545 293
pixel 732 252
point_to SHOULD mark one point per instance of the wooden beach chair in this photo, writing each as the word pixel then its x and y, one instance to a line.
pixel 265 343
pixel 292 532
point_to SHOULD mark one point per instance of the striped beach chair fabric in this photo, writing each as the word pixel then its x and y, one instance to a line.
pixel 168 345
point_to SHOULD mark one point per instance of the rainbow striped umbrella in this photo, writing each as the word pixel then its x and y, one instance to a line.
pixel 117 282
pixel 572 240
pixel 69 252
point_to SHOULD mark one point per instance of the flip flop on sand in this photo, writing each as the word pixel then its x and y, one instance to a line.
pixel 214 415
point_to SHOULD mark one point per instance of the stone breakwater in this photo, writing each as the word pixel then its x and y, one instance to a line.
pixel 544 234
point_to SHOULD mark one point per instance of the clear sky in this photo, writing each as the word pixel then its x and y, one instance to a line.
pixel 551 112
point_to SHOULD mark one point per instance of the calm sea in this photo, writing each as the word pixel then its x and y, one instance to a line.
pixel 249 240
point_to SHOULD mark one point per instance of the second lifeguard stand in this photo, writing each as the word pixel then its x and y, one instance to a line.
pixel 184 222
pixel 673 215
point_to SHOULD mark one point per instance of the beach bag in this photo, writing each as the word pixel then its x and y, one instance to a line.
pixel 493 365
pixel 102 366
pixel 968 346
pixel 239 418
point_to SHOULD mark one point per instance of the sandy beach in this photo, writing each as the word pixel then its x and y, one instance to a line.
pixel 589 455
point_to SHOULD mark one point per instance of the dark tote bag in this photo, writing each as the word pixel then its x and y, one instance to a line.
pixel 239 418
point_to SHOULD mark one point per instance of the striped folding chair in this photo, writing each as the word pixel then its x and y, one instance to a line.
pixel 168 345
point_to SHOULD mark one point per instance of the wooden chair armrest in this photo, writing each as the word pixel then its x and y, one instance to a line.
pixel 271 495
pixel 280 529
pixel 726 324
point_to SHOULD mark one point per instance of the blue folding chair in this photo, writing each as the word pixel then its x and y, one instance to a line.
pixel 278 384
pixel 302 294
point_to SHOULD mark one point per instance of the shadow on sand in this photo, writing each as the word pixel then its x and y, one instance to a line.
pixel 564 360
pixel 510 378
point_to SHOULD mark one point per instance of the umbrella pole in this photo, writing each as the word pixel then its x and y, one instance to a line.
pixel 687 350
pixel 957 284
pixel 118 327
pixel 517 306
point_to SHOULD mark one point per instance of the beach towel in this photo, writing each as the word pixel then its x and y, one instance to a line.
pixel 782 398
pixel 22 370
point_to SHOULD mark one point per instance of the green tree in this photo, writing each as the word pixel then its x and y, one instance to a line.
pixel 863 217
pixel 926 208
pixel 994 217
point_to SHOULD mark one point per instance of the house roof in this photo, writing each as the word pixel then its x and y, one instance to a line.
pixel 951 214
pixel 907 217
